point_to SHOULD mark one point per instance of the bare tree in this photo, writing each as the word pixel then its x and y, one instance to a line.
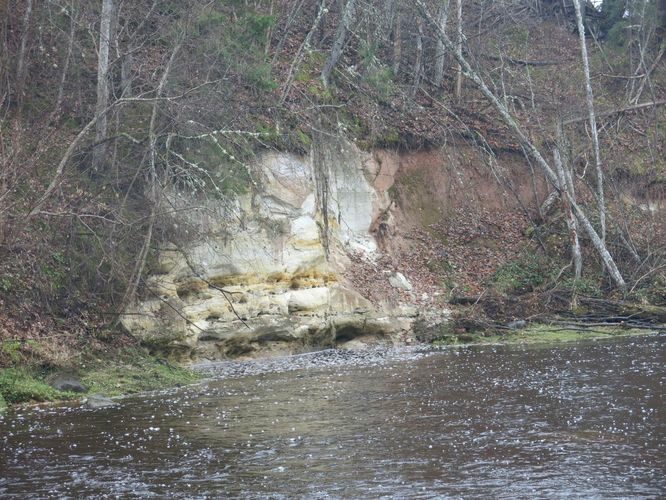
pixel 106 20
pixel 301 51
pixel 418 60
pixel 339 43
pixel 21 63
pixel 528 145
pixel 593 121
pixel 397 40
pixel 155 196
pixel 459 42
pixel 440 50
pixel 68 58
pixel 567 189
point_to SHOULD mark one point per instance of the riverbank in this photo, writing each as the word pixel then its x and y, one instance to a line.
pixel 126 372
pixel 133 371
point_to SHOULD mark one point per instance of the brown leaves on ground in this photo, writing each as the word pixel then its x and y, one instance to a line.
pixel 473 243
pixel 455 256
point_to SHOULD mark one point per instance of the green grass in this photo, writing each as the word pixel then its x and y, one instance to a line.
pixel 129 373
pixel 21 385
pixel 136 374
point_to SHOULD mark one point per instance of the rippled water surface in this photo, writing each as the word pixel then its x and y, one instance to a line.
pixel 584 420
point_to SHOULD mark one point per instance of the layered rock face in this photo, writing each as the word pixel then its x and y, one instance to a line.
pixel 263 275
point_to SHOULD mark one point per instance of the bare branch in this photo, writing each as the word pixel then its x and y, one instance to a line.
pixel 634 107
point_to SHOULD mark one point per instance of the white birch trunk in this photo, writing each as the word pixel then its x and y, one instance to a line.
pixel 99 151
pixel 439 55
pixel 601 203
pixel 567 193
pixel 459 40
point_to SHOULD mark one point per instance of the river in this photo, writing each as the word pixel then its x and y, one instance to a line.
pixel 577 420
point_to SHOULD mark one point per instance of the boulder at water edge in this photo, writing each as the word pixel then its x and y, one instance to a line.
pixel 95 401
pixel 67 383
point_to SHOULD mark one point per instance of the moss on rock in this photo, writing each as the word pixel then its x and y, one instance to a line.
pixel 540 334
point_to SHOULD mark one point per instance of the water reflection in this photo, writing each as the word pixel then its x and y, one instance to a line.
pixel 508 422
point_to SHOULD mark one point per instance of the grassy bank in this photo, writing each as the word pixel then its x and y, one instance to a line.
pixel 541 333
pixel 129 372
pixel 132 370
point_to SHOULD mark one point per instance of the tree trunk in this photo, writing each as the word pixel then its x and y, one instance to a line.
pixel 63 162
pixel 99 151
pixel 418 60
pixel 647 76
pixel 68 58
pixel 124 59
pixel 567 193
pixel 299 55
pixel 339 44
pixel 397 41
pixel 293 14
pixel 385 22
pixel 593 121
pixel 4 52
pixel 21 64
pixel 459 40
pixel 439 55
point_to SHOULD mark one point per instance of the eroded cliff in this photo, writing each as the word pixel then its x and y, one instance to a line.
pixel 322 252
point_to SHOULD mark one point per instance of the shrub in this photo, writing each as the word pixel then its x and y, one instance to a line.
pixel 523 275
pixel 380 79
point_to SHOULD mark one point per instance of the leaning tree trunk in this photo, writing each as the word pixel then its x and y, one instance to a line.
pixel 593 121
pixel 566 187
pixel 301 50
pixel 140 264
pixel 339 44
pixel 99 151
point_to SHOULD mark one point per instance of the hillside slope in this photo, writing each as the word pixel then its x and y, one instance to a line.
pixel 199 94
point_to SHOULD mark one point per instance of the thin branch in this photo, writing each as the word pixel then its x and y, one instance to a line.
pixel 633 107
pixel 524 62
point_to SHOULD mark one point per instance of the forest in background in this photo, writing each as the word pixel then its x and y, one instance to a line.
pixel 105 104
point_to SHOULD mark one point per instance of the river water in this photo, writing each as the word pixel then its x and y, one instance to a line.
pixel 580 420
